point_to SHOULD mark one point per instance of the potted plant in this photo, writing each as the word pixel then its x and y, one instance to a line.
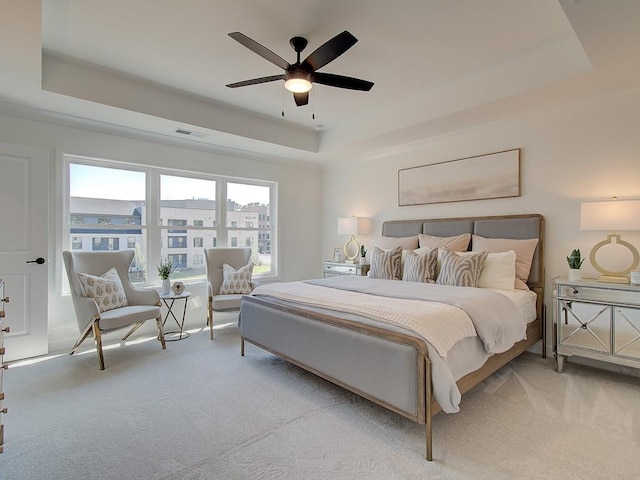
pixel 575 262
pixel 165 268
pixel 363 254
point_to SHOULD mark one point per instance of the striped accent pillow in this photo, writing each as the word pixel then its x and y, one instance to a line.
pixel 461 271
pixel 420 267
pixel 386 264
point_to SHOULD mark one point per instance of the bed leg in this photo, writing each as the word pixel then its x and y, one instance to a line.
pixel 242 346
pixel 428 424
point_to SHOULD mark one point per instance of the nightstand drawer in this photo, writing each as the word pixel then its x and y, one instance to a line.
pixel 340 269
pixel 599 294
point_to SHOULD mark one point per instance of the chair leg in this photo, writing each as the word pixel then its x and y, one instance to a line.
pixel 161 332
pixel 133 329
pixel 83 336
pixel 98 339
pixel 210 318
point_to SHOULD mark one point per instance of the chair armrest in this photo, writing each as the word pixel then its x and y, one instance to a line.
pixel 138 296
pixel 86 309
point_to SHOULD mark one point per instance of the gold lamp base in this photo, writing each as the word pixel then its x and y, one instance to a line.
pixel 614 277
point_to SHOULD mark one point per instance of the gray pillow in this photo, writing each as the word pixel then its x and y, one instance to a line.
pixel 461 271
pixel 420 267
pixel 385 265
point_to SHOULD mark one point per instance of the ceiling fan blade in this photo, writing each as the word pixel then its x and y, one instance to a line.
pixel 341 81
pixel 261 50
pixel 329 51
pixel 256 81
pixel 301 98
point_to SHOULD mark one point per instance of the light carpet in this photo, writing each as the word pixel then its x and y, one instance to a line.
pixel 199 410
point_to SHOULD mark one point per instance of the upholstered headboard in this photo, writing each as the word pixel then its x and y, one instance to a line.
pixel 506 226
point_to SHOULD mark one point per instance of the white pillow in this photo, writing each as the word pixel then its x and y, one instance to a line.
pixel 498 270
pixel 106 290
pixel 407 243
pixel 236 281
pixel 457 243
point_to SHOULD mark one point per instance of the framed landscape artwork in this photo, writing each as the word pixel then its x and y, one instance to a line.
pixel 495 175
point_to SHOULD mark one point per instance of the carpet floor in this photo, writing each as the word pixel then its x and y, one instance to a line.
pixel 199 410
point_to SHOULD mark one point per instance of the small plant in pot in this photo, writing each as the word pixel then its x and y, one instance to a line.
pixel 165 268
pixel 363 254
pixel 575 262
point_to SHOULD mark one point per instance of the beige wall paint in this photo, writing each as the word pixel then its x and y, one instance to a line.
pixel 588 153
pixel 299 192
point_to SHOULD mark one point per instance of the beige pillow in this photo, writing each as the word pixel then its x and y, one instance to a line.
pixel 498 270
pixel 420 267
pixel 461 271
pixel 236 281
pixel 458 243
pixel 408 243
pixel 385 265
pixel 106 290
pixel 524 248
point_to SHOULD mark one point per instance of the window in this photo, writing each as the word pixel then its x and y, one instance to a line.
pixel 106 243
pixel 161 214
pixel 176 242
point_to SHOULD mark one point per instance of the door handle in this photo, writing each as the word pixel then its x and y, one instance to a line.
pixel 38 260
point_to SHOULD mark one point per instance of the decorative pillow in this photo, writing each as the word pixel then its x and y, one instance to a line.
pixel 106 290
pixel 458 243
pixel 461 271
pixel 420 267
pixel 236 281
pixel 386 264
pixel 524 248
pixel 498 270
pixel 408 243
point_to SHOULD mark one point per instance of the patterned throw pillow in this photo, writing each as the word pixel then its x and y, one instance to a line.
pixel 386 265
pixel 420 267
pixel 461 271
pixel 236 281
pixel 106 290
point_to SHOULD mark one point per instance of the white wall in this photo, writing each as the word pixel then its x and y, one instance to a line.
pixel 589 153
pixel 298 216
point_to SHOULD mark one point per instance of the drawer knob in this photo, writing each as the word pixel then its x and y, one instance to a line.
pixel 5 329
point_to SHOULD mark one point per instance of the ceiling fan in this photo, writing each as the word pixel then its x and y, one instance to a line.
pixel 299 77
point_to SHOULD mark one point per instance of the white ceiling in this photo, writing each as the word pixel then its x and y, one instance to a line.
pixel 438 66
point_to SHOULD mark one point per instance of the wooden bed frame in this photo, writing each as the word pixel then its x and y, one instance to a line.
pixel 297 320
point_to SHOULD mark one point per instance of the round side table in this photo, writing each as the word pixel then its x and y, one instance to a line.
pixel 169 299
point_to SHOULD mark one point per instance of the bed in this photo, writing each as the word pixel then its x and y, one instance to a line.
pixel 388 363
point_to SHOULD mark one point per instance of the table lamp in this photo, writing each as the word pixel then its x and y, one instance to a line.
pixel 613 216
pixel 352 226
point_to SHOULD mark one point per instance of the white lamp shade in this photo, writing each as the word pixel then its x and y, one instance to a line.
pixel 613 215
pixel 353 226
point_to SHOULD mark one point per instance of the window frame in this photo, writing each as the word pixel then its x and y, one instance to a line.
pixel 152 225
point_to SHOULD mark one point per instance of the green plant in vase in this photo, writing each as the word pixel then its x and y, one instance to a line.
pixel 575 262
pixel 363 254
pixel 165 268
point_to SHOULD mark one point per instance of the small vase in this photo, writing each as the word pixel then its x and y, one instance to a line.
pixel 166 287
pixel 575 274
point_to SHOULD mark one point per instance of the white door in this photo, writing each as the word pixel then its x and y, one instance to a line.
pixel 24 218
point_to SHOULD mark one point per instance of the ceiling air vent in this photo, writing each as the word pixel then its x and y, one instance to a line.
pixel 189 133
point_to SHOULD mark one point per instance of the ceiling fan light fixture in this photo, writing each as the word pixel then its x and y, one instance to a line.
pixel 298 82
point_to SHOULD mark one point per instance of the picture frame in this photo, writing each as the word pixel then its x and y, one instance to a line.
pixel 494 175
pixel 337 254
